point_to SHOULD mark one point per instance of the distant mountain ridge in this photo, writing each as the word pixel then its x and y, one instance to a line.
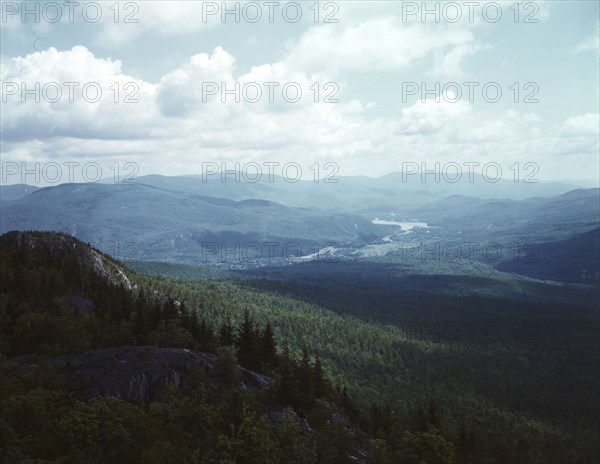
pixel 534 219
pixel 355 193
pixel 182 219
pixel 166 224
pixel 12 192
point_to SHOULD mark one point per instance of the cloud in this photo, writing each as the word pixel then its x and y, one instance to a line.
pixel 54 95
pixel 590 44
pixel 171 129
pixel 372 45
pixel 181 90
pixel 429 116
pixel 452 62
pixel 584 125
pixel 168 18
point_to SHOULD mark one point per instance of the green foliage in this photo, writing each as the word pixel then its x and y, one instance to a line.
pixel 404 397
pixel 425 448
pixel 227 368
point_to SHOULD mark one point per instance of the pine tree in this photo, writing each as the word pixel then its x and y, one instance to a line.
pixel 206 336
pixel 304 374
pixel 154 315
pixel 184 315
pixel 268 346
pixel 226 334
pixel 194 325
pixel 247 343
pixel 287 391
pixel 141 316
pixel 169 310
pixel 320 385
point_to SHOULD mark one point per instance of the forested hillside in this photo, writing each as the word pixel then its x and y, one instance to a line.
pixel 346 384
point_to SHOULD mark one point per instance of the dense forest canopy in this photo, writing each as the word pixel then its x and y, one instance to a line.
pixel 344 386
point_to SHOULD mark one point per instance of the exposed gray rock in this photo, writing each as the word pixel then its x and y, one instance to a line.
pixel 335 418
pixel 66 245
pixel 81 304
pixel 136 374
pixel 276 418
pixel 360 457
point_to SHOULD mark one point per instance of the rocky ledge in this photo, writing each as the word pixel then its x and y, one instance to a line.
pixel 135 374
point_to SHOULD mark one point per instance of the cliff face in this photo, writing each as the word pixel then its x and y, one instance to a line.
pixel 66 245
pixel 135 374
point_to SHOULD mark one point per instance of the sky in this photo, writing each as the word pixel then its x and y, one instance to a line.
pixel 99 89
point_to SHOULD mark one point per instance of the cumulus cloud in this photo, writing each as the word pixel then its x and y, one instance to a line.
pixel 429 116
pixel 172 129
pixel 584 125
pixel 175 18
pixel 73 94
pixel 181 91
pixel 371 45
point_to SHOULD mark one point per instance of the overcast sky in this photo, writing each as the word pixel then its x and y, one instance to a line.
pixel 175 61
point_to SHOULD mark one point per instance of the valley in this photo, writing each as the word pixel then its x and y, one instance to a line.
pixel 482 312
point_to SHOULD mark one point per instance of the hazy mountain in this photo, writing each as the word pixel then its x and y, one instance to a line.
pixel 12 192
pixel 180 219
pixel 575 259
pixel 393 192
pixel 536 218
pixel 158 223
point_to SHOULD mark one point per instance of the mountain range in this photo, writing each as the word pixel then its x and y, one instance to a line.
pixel 186 219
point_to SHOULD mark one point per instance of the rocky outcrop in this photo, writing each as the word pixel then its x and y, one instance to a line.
pixel 277 417
pixel 66 245
pixel 135 374
pixel 81 304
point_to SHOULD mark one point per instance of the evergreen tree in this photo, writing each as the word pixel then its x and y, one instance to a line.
pixel 154 315
pixel 304 374
pixel 195 326
pixel 205 335
pixel 141 316
pixel 227 369
pixel 268 346
pixel 320 385
pixel 247 343
pixel 287 390
pixel 226 334
pixel 169 310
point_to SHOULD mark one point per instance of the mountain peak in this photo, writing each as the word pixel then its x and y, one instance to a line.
pixel 67 245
